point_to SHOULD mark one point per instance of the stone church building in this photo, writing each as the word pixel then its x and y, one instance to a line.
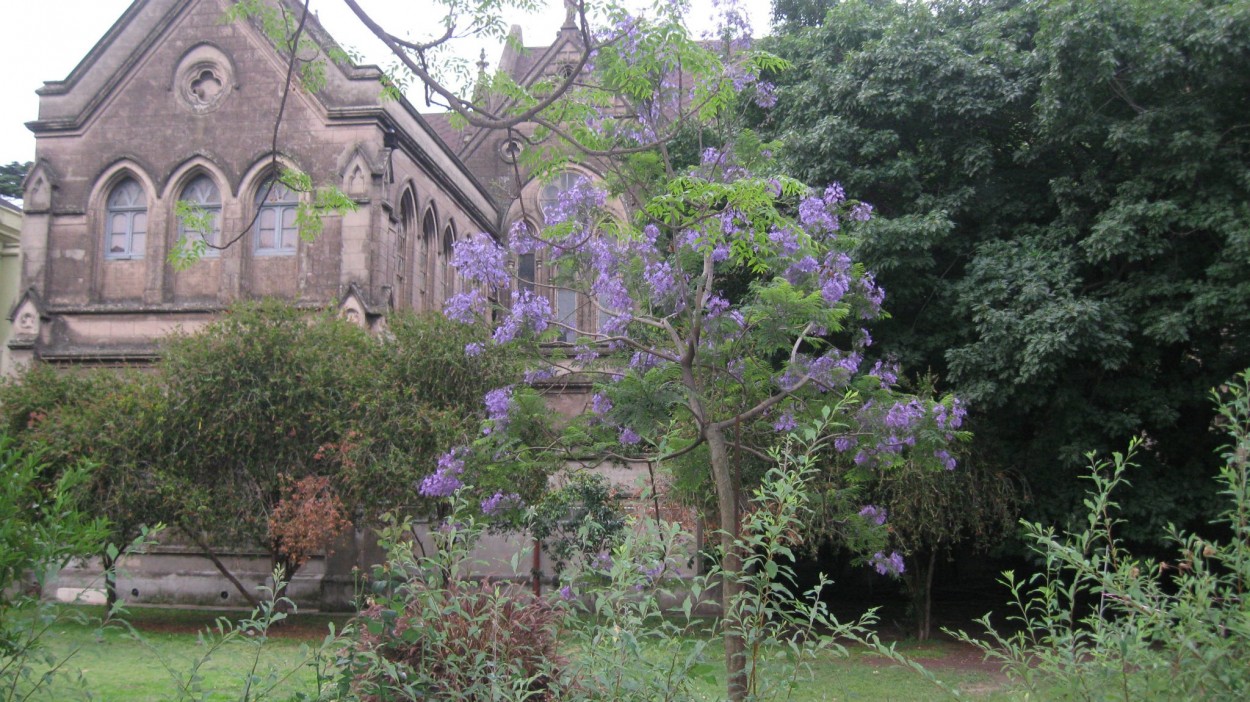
pixel 173 104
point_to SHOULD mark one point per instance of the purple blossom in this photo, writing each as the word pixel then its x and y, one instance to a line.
pixel 958 412
pixel 785 422
pixel 650 233
pixel 834 195
pixel 465 307
pixel 600 404
pixel 902 416
pixel 575 204
pixel 521 238
pixel 611 290
pixel 872 293
pixel 660 278
pixel 566 592
pixel 862 339
pixel 445 479
pixel 873 514
pixel 835 277
pixel 477 258
pixel 827 372
pixel 765 95
pixel 528 310
pixel 538 375
pixel 500 502
pixel 498 405
pixel 842 444
pixel 861 212
pixel 887 373
pixel 473 349
pixel 641 361
pixel 786 241
pixel 711 156
pixel 720 252
pixel 804 266
pixel 887 565
pixel 614 323
pixel 716 305
pixel 629 437
pixel 815 215
pixel 948 461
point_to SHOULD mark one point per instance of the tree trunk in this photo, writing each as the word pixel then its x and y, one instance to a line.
pixel 110 583
pixel 920 589
pixel 731 564
pixel 221 567
pixel 927 622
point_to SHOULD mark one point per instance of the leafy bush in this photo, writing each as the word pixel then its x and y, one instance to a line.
pixel 431 631
pixel 628 646
pixel 41 528
pixel 577 521
pixel 1099 623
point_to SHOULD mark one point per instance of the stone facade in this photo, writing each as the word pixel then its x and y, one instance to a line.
pixel 174 105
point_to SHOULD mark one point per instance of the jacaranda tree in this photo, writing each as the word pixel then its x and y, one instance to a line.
pixel 718 300
pixel 721 309
pixel 725 309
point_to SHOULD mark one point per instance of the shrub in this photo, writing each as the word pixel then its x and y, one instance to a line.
pixel 430 631
pixel 41 528
pixel 1099 623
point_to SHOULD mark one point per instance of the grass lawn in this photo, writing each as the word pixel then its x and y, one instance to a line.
pixel 116 666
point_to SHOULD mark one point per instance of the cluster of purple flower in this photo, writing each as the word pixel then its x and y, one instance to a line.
pixel 465 307
pixel 874 514
pixel 576 204
pixel 498 406
pixel 831 371
pixel 478 259
pixel 716 306
pixel 887 565
pixel 886 372
pixel 528 310
pixel 600 404
pixel 835 277
pixel 445 480
pixel 501 502
pixel 785 422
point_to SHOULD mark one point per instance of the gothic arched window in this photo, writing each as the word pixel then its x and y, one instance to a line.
pixel 449 271
pixel 204 197
pixel 550 195
pixel 126 229
pixel 276 230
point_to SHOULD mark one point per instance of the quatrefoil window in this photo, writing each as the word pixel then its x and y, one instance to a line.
pixel 203 79
pixel 206 88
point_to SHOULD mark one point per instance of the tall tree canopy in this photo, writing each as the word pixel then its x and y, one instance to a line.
pixel 11 177
pixel 1063 224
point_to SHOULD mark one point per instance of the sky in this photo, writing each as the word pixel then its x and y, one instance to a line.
pixel 45 39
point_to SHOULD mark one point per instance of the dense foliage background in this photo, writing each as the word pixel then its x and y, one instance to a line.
pixel 1063 224
pixel 217 434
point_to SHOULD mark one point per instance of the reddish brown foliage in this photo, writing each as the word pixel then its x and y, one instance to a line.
pixel 443 637
pixel 308 517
